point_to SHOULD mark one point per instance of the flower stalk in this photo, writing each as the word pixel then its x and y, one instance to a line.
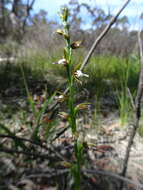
pixel 72 75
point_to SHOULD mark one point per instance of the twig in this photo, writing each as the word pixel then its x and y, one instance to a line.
pixel 100 37
pixel 34 143
pixel 29 7
pixel 60 133
pixel 49 174
pixel 110 174
pixel 14 151
pixel 131 99
pixel 140 84
pixel 24 139
pixel 137 112
pixel 30 154
pixel 53 173
pixel 57 153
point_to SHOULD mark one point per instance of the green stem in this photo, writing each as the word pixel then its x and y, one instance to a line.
pixel 71 83
pixel 71 106
pixel 76 169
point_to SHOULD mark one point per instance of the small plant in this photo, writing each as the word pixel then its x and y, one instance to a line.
pixel 73 75
pixel 39 105
pixel 124 107
pixel 123 96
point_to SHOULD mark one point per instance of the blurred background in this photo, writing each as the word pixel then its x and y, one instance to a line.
pixel 28 39
pixel 32 23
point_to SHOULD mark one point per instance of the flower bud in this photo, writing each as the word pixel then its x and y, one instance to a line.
pixel 59 31
pixel 64 115
pixel 76 44
pixel 83 106
pixel 64 14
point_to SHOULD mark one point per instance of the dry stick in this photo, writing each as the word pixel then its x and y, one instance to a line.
pixel 14 151
pixel 34 143
pixel 137 113
pixel 32 154
pixel 112 175
pixel 52 173
pixel 24 139
pixel 131 99
pixel 99 38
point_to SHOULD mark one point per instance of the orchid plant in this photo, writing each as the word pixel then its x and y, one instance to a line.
pixel 73 74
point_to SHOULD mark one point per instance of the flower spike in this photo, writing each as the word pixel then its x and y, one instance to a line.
pixel 64 14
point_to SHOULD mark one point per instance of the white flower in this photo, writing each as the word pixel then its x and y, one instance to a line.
pixel 79 73
pixel 61 62
pixel 61 97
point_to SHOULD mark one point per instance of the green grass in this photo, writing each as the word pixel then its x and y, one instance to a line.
pixel 108 70
pixel 108 77
pixel 106 73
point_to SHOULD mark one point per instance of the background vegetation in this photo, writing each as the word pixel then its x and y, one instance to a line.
pixel 31 84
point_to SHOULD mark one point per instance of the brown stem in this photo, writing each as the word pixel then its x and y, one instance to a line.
pixel 112 175
pixel 29 7
pixel 137 113
pixel 100 37
pixel 34 143
pixel 23 139
pixel 14 151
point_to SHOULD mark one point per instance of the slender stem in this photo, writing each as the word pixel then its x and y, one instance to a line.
pixel 112 175
pixel 101 36
pixel 76 169
pixel 70 81
pixel 137 113
pixel 71 106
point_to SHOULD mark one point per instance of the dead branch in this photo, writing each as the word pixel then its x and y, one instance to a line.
pixel 137 112
pixel 33 143
pixel 110 174
pixel 52 173
pixel 24 139
pixel 101 36
pixel 29 7
pixel 131 99
pixel 49 174
pixel 27 153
